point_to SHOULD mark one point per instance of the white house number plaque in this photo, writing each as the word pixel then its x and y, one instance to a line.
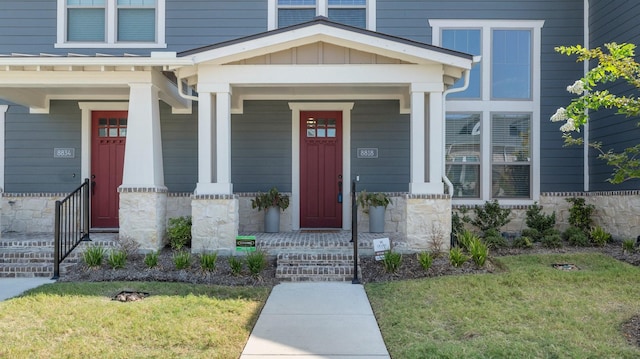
pixel 64 153
pixel 367 153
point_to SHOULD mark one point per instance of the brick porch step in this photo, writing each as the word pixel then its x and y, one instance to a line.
pixel 299 267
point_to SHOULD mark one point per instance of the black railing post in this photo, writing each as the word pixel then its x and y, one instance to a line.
pixel 56 243
pixel 85 210
pixel 354 232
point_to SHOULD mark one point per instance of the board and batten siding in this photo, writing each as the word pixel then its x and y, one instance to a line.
pixel 612 21
pixel 30 166
pixel 561 168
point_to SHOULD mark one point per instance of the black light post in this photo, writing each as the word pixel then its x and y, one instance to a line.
pixel 354 232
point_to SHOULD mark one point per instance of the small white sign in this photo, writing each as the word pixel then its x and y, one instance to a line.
pixel 380 247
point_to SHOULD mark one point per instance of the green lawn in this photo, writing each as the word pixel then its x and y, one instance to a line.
pixel 529 311
pixel 79 320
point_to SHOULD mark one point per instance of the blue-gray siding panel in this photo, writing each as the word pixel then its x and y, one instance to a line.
pixel 30 141
pixel 612 21
pixel 561 168
pixel 30 26
pixel 179 149
pixel 379 124
pixel 261 147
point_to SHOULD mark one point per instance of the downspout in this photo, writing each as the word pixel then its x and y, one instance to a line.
pixel 182 94
pixel 467 75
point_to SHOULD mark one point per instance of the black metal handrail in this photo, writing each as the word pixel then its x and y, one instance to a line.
pixel 71 224
pixel 354 232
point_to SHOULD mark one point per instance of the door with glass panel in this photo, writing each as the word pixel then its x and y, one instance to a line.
pixel 108 132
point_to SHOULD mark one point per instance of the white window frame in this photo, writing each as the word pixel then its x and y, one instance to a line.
pixel 322 9
pixel 487 106
pixel 111 30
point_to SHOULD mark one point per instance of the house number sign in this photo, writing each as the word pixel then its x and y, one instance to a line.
pixel 64 153
pixel 367 153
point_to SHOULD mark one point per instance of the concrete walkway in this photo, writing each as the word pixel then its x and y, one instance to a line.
pixel 11 287
pixel 316 320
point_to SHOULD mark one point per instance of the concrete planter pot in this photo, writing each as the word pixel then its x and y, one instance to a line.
pixel 376 219
pixel 272 220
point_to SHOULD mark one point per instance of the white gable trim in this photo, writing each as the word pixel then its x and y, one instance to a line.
pixel 296 108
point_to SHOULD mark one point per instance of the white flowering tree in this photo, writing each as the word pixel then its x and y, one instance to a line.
pixel 616 63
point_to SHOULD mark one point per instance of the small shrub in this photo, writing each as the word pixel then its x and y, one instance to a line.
pixel 391 261
pixel 628 246
pixel 493 239
pixel 182 259
pixel 117 258
pixel 457 257
pixel 576 237
pixel 465 238
pixel 479 252
pixel 533 234
pixel 523 242
pixel 490 216
pixel 552 241
pixel 580 213
pixel 599 236
pixel 436 238
pixel 151 259
pixel 235 264
pixel 256 262
pixel 538 220
pixel 179 232
pixel 208 261
pixel 457 222
pixel 426 260
pixel 93 256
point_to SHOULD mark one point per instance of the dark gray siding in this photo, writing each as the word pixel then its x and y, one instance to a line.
pixel 612 21
pixel 29 26
pixel 179 149
pixel 561 168
pixel 30 140
pixel 261 147
pixel 379 124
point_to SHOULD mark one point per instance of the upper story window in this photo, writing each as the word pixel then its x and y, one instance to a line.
pixel 358 13
pixel 111 23
pixel 493 127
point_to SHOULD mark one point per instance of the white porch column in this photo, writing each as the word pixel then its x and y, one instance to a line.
pixel 3 111
pixel 143 196
pixel 143 152
pixel 436 147
pixel 214 159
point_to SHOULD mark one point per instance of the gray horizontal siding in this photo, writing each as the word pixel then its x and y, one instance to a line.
pixel 30 26
pixel 179 149
pixel 612 21
pixel 30 140
pixel 261 147
pixel 561 168
pixel 379 124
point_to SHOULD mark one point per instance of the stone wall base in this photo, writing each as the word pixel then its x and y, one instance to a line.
pixel 143 217
pixel 428 222
pixel 215 223
pixel 29 212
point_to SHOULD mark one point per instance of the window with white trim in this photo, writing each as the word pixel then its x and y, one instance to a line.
pixel 358 13
pixel 111 23
pixel 492 128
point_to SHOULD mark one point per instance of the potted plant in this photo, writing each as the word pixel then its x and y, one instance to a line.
pixel 375 205
pixel 271 202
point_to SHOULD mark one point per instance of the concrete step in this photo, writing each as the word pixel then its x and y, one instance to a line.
pixel 319 267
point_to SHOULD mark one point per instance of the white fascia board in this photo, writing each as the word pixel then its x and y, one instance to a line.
pixel 314 33
pixel 72 78
pixel 320 74
pixel 92 61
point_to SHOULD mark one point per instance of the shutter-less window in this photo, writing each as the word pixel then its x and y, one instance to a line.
pixel 463 154
pixel 465 40
pixel 86 20
pixel 136 20
pixel 511 64
pixel 288 17
pixel 511 156
pixel 348 12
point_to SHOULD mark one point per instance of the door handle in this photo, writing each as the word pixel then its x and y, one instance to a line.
pixel 93 185
pixel 340 192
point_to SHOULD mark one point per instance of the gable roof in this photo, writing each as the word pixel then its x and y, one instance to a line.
pixel 325 30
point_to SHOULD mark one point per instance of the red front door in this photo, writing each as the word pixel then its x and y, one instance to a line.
pixel 321 184
pixel 108 137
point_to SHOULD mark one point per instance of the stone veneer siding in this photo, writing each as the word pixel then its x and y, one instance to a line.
pixel 215 223
pixel 143 216
pixel 29 212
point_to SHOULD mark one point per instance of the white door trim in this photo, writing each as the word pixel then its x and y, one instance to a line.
pixel 296 108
